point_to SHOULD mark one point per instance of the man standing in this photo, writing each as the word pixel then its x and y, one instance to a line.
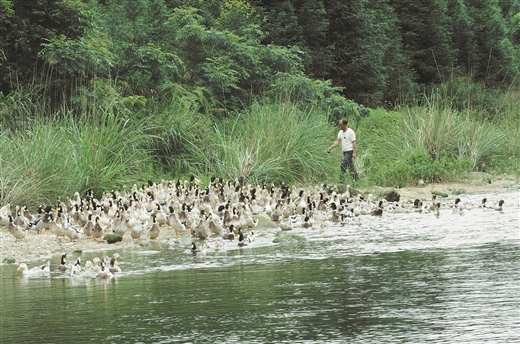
pixel 348 144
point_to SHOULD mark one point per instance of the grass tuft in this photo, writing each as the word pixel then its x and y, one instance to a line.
pixel 271 142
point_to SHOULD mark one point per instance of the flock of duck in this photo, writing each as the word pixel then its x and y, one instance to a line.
pixel 224 209
pixel 97 268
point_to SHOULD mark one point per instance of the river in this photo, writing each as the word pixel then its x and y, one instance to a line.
pixel 398 278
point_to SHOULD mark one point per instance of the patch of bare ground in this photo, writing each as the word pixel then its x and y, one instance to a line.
pixel 475 183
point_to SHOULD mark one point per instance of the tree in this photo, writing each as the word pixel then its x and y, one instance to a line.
pixel 368 60
pixel 312 16
pixel 303 24
pixel 463 37
pixel 234 67
pixel 139 34
pixel 25 26
pixel 513 17
pixel 515 30
pixel 427 37
pixel 495 60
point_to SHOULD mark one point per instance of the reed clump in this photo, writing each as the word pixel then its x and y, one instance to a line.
pixel 272 143
pixel 50 158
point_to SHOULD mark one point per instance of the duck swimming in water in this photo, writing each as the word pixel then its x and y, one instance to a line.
pixel 231 234
pixel 288 224
pixel 436 210
pixel 244 240
pixel 195 249
pixel 42 270
pixel 113 267
pixel 105 272
pixel 82 272
pixel 499 206
pixel 377 210
pixel 63 263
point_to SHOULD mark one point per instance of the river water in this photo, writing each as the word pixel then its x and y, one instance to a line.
pixel 398 278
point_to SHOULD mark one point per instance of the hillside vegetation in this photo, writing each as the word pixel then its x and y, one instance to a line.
pixel 104 94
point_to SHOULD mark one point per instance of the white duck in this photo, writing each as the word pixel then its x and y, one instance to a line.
pixel 72 233
pixel 175 223
pixel 137 230
pixel 288 224
pixel 42 270
pixel 83 272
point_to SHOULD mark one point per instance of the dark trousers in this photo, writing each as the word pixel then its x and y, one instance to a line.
pixel 347 163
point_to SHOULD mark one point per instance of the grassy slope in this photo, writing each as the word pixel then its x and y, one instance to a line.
pixel 277 142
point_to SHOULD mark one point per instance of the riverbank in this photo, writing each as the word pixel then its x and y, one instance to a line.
pixel 39 247
pixel 475 183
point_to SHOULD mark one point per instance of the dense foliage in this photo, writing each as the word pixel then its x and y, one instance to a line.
pixel 234 50
pixel 138 89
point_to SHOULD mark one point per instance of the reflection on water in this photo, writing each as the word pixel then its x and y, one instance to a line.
pixel 399 278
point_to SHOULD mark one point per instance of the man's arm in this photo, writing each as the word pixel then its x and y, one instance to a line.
pixel 334 144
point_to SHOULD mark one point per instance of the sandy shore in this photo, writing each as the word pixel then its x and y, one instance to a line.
pixel 46 246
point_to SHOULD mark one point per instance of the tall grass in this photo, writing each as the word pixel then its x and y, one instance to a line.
pixel 509 124
pixel 17 108
pixel 108 151
pixel 271 142
pixel 33 164
pixel 181 130
pixel 435 142
pixel 55 158
pixel 441 130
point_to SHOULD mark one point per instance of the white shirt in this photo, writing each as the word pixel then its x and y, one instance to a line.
pixel 347 138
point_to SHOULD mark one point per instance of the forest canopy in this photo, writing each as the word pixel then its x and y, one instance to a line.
pixel 229 52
